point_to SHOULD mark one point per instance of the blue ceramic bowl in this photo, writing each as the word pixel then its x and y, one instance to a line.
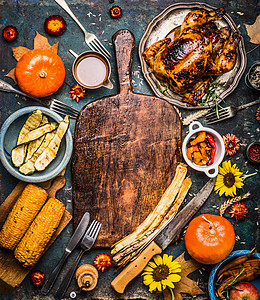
pixel 214 271
pixel 8 138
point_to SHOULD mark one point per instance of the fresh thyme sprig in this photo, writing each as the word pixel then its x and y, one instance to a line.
pixel 212 96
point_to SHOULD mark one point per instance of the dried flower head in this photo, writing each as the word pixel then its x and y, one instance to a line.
pixel 258 114
pixel 231 144
pixel 238 210
pixel 102 261
pixel 77 92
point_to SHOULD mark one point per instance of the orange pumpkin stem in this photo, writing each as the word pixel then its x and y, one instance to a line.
pixel 43 74
pixel 212 230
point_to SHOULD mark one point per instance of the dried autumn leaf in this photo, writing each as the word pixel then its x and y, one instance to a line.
pixel 253 31
pixel 41 42
pixel 18 52
pixel 185 285
pixel 11 74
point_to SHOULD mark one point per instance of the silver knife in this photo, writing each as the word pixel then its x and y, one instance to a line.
pixel 74 240
pixel 163 239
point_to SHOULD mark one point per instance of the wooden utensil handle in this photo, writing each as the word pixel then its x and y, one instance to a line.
pixel 131 271
pixel 124 44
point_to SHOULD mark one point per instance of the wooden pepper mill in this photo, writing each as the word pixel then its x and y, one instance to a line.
pixel 87 277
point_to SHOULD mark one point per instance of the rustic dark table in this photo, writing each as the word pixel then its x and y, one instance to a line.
pixel 28 16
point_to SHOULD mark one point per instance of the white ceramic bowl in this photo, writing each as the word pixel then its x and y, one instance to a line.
pixel 8 137
pixel 211 170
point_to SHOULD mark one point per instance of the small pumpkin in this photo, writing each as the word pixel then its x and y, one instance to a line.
pixel 40 73
pixel 209 238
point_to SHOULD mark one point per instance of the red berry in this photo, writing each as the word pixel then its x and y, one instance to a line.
pixel 37 278
pixel 115 12
pixel 10 33
pixel 55 25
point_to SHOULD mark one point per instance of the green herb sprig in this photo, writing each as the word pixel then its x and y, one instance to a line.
pixel 212 96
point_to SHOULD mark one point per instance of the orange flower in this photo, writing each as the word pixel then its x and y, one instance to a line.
pixel 238 210
pixel 102 261
pixel 258 114
pixel 77 92
pixel 231 144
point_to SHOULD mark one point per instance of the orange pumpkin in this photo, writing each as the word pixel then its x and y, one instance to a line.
pixel 209 238
pixel 40 72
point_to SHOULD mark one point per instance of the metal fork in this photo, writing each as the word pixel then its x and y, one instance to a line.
pixel 86 243
pixel 90 39
pixel 227 112
pixel 53 104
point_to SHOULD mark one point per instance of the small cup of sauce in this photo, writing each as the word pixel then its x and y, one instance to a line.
pixel 252 78
pixel 253 152
pixel 91 70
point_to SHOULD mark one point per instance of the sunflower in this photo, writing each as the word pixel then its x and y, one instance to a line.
pixel 160 273
pixel 231 144
pixel 228 179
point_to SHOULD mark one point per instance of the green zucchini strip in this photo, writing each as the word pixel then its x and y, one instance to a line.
pixel 38 132
pixel 33 121
pixel 52 149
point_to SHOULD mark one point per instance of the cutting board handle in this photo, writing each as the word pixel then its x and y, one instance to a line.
pixel 124 44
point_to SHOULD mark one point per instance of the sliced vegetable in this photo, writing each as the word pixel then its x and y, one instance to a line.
pixel 32 122
pixel 200 138
pixel 38 132
pixel 28 167
pixel 52 149
pixel 34 145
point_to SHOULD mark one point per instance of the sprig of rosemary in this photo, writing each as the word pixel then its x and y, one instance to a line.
pixel 212 96
pixel 233 283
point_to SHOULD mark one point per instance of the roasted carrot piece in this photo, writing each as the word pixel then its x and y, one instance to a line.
pixel 235 262
pixel 201 137
pixel 250 263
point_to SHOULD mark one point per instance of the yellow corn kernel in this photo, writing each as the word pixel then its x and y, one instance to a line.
pixel 23 213
pixel 34 242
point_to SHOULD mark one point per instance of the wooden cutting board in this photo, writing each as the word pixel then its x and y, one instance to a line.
pixel 126 149
pixel 12 273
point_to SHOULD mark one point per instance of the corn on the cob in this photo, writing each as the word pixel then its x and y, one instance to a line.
pixel 34 242
pixel 23 213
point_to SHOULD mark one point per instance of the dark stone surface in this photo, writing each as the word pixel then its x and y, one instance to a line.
pixel 28 16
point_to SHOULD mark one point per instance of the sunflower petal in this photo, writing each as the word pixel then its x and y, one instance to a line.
pixel 148 269
pixel 152 286
pixel 168 283
pixel 148 279
pixel 152 264
pixel 174 277
pixel 166 259
pixel 158 260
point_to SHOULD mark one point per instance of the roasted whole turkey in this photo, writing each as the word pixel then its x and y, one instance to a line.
pixel 198 51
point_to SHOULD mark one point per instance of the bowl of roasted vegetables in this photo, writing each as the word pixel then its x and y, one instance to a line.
pixel 203 149
pixel 226 277
pixel 35 144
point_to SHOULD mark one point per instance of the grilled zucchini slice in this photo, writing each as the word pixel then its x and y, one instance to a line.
pixel 51 151
pixel 32 122
pixel 28 167
pixel 34 145
pixel 38 132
